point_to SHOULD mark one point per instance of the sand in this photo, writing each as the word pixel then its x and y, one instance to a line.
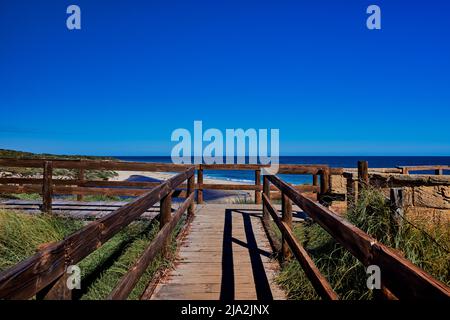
pixel 216 196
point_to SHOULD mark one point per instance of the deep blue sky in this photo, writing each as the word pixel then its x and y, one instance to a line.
pixel 139 69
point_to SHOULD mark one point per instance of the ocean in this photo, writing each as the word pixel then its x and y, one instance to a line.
pixel 332 161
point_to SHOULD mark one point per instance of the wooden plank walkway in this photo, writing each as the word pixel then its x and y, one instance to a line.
pixel 226 255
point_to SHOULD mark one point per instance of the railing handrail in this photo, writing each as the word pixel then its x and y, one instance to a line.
pixel 425 167
pixel 81 186
pixel 94 165
pixel 91 164
pixel 400 276
pixel 40 270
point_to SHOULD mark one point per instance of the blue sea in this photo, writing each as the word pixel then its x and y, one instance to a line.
pixel 332 161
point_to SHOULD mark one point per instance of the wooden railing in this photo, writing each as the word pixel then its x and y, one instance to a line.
pixel 316 171
pixel 44 274
pixel 400 278
pixel 438 169
pixel 48 185
pixel 391 178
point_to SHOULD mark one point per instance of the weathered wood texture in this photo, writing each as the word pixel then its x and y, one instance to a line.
pixel 75 209
pixel 363 174
pixel 94 186
pixel 286 217
pixel 266 191
pixel 258 185
pixel 200 184
pixel 81 179
pixel 47 188
pixel 57 290
pixel 94 165
pixel 226 256
pixel 437 168
pixel 37 272
pixel 80 187
pixel 191 190
pixel 155 167
pixel 400 276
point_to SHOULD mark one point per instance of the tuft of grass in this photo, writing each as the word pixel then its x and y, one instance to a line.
pixel 21 234
pixel 345 273
pixel 243 199
pixel 27 196
pixel 102 197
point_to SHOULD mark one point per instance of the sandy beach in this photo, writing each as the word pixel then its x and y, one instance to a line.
pixel 214 196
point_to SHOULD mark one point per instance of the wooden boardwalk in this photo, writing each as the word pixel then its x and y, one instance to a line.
pixel 226 255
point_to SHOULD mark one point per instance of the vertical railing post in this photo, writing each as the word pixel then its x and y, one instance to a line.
pixel 315 180
pixel 47 187
pixel 352 192
pixel 324 185
pixel 165 214
pixel 266 191
pixel 286 209
pixel 190 190
pixel 397 200
pixel 81 180
pixel 258 184
pixel 200 184
pixel 57 290
pixel 363 175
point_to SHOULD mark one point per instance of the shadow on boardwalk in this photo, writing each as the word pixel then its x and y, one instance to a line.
pixel 225 256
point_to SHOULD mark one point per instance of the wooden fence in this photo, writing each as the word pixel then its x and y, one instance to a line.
pixel 47 186
pixel 391 178
pixel 44 274
pixel 438 169
pixel 400 278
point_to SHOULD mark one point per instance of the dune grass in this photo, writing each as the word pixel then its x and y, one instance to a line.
pixel 21 235
pixel 344 272
pixel 117 256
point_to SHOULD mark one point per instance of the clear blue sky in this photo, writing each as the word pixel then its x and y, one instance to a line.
pixel 139 69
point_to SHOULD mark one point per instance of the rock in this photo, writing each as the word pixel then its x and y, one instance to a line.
pixel 432 197
pixel 338 184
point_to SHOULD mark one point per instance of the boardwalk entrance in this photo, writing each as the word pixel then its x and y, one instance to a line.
pixel 226 255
